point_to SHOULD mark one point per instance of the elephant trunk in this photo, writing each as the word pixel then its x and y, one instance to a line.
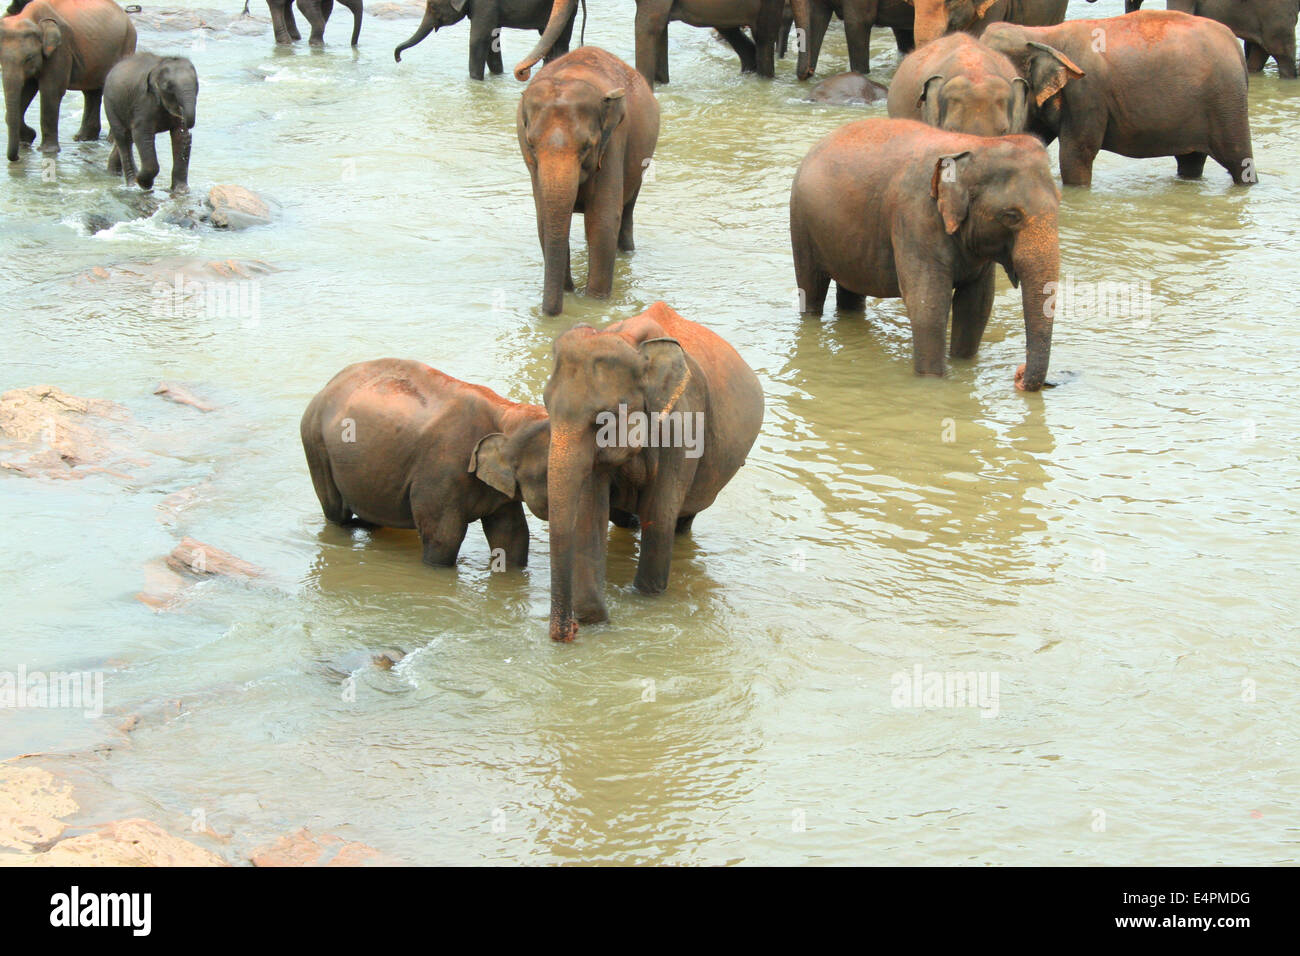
pixel 560 14
pixel 557 193
pixel 13 113
pixel 1037 261
pixel 422 31
pixel 569 481
pixel 802 26
pixel 930 23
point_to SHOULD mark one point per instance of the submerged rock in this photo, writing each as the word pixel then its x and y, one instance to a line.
pixel 234 207
pixel 848 89
pixel 195 557
pixel 59 433
pixel 396 11
pixel 304 849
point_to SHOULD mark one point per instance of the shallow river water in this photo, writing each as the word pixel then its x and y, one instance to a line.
pixel 1115 552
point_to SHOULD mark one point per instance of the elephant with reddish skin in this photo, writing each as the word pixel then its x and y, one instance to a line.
pixel 728 17
pixel 656 363
pixel 587 126
pixel 50 47
pixel 317 13
pixel 1267 26
pixel 894 208
pixel 1168 84
pixel 813 17
pixel 486 20
pixel 145 95
pixel 397 444
pixel 959 84
pixel 934 18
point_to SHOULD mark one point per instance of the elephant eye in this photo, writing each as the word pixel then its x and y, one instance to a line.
pixel 1011 218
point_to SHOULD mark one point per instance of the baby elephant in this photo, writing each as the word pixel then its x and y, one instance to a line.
pixel 398 444
pixel 145 95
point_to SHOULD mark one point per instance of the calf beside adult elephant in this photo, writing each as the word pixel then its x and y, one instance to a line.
pixel 50 47
pixel 894 208
pixel 650 418
pixel 486 20
pixel 144 95
pixel 1163 84
pixel 959 84
pixel 587 127
pixel 397 444
pixel 1267 26
pixel 728 17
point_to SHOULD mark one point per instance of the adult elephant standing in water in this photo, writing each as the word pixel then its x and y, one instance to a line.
pixel 50 47
pixel 934 18
pixel 486 19
pixel 728 17
pixel 317 13
pixel 1267 26
pixel 587 126
pixel 650 417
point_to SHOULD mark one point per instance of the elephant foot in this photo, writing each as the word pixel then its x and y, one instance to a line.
pixel 49 150
pixel 86 135
pixel 27 135
pixel 180 189
pixel 591 614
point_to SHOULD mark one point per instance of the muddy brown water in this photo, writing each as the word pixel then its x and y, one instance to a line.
pixel 1118 551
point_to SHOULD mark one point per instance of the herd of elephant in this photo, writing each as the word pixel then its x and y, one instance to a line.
pixel 921 206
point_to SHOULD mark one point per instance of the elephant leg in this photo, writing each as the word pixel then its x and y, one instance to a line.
pixel 506 530
pixel 659 510
pixel 441 535
pixel 684 523
pixel 282 22
pixel 766 30
pixel 811 280
pixel 623 519
pixel 25 133
pixel 494 64
pixel 480 46
pixel 783 38
pixel 819 20
pixel 625 241
pixel 846 300
pixel 743 46
pixel 1256 57
pixel 144 142
pixel 90 128
pixel 971 306
pixel 114 157
pixel 181 140
pixel 1282 49
pixel 51 97
pixel 857 30
pixel 313 10
pixel 331 500
pixel 661 57
pixel 123 146
pixel 927 295
pixel 602 221
pixel 1191 165
pixel 651 24
pixel 1233 153
pixel 356 8
pixel 562 42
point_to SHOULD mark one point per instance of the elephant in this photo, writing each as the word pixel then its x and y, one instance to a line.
pixel 895 208
pixel 934 18
pixel 145 95
pixel 397 444
pixel 728 17
pixel 587 125
pixel 813 17
pixel 317 13
pixel 486 19
pixel 1167 84
pixel 1267 26
pixel 50 47
pixel 959 84
pixel 650 418
pixel 848 89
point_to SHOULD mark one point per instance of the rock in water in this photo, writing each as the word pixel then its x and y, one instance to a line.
pixel 848 89
pixel 234 207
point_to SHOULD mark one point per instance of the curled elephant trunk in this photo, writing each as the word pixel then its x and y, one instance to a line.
pixel 422 31
pixel 13 117
pixel 802 24
pixel 557 192
pixel 560 14
pixel 1037 262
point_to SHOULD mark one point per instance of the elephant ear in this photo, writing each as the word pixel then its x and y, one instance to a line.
pixel 51 36
pixel 666 374
pixel 613 108
pixel 1018 111
pixel 1049 71
pixel 459 5
pixel 487 462
pixel 928 103
pixel 948 190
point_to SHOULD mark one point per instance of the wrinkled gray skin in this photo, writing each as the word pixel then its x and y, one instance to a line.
pixel 317 13
pixel 1267 26
pixel 486 19
pixel 396 444
pixel 848 89
pixel 959 84
pixel 145 95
